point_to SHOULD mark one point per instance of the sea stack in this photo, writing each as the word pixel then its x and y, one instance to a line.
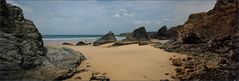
pixel 140 34
pixel 108 38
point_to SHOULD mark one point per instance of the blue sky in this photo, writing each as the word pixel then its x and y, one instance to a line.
pixel 101 16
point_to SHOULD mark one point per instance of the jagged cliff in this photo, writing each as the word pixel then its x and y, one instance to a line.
pixel 22 54
pixel 20 40
pixel 216 24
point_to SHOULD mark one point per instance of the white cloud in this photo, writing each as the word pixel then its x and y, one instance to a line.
pixel 117 15
pixel 124 13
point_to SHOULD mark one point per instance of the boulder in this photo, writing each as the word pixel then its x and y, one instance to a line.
pixel 67 43
pixel 83 43
pixel 108 38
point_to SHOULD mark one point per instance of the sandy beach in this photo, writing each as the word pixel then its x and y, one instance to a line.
pixel 129 62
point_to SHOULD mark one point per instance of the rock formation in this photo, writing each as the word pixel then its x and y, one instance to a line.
pixel 153 35
pixel 163 33
pixel 211 38
pixel 83 43
pixel 108 38
pixel 173 32
pixel 22 54
pixel 139 36
pixel 215 24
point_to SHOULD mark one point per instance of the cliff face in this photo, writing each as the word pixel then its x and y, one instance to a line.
pixel 211 39
pixel 216 24
pixel 22 54
pixel 20 40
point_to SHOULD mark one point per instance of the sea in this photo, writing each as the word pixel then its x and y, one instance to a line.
pixel 73 38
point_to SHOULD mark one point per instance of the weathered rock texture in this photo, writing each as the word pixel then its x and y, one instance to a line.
pixel 211 38
pixel 108 38
pixel 216 24
pixel 22 54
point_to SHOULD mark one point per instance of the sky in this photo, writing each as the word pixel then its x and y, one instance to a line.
pixel 74 17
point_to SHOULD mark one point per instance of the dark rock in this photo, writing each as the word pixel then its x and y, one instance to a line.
pixel 98 77
pixel 67 43
pixel 20 42
pixel 191 38
pixel 164 80
pixel 140 34
pixel 153 35
pixel 22 54
pixel 108 38
pixel 173 31
pixel 83 43
pixel 163 33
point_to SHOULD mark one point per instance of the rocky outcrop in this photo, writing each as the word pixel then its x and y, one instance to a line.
pixel 152 34
pixel 139 36
pixel 19 39
pixel 211 38
pixel 163 33
pixel 22 54
pixel 108 38
pixel 215 24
